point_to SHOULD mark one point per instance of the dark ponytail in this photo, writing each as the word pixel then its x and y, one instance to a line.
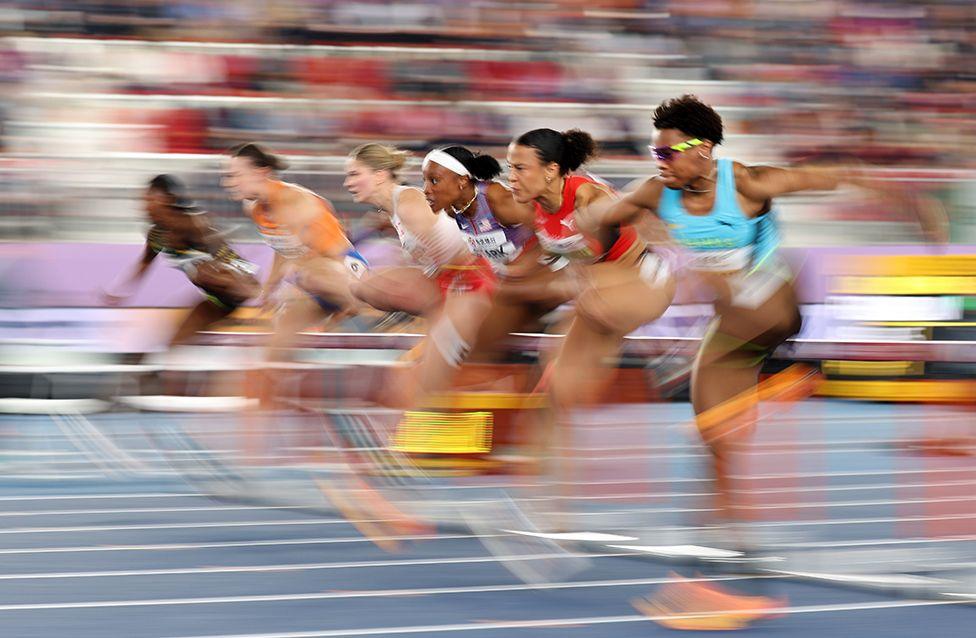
pixel 482 167
pixel 260 156
pixel 570 149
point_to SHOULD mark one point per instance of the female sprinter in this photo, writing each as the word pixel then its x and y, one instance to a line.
pixel 496 227
pixel 186 237
pixel 449 285
pixel 617 284
pixel 722 212
pixel 461 184
pixel 311 248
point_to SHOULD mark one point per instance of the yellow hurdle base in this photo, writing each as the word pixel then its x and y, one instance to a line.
pixel 443 433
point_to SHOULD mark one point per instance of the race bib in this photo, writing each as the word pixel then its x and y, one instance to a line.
pixel 731 260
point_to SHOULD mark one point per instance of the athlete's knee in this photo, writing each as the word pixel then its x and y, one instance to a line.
pixel 359 290
pixel 795 323
pixel 451 345
pixel 726 426
pixel 593 309
pixel 788 325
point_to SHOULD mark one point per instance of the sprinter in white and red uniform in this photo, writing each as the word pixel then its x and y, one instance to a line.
pixel 447 284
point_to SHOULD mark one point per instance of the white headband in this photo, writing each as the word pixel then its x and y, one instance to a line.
pixel 446 160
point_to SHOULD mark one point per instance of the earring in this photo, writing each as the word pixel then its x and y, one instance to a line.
pixel 548 179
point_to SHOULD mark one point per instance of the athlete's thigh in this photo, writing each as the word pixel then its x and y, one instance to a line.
pixel 503 316
pixel 618 298
pixel 399 288
pixel 226 281
pixel 322 274
pixel 540 286
pixel 768 323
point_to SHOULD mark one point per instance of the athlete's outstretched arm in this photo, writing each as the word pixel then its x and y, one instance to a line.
pixel 271 284
pixel 763 183
pixel 627 210
pixel 120 291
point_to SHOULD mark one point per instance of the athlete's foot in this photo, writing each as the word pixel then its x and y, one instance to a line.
pixel 374 516
pixel 706 606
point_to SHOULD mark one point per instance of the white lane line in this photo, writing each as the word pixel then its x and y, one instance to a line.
pixel 254 569
pixel 593 537
pixel 782 420
pixel 635 480
pixel 868 521
pixel 664 454
pixel 167 547
pixel 152 510
pixel 681 551
pixel 601 483
pixel 568 622
pixel 118 528
pixel 885 473
pixel 781 523
pixel 173 547
pixel 763 447
pixel 877 541
pixel 289 523
pixel 93 497
pixel 641 496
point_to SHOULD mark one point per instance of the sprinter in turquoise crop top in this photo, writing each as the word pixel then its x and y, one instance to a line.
pixel 721 212
pixel 725 239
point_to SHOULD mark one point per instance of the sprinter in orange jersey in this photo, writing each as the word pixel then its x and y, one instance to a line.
pixel 314 263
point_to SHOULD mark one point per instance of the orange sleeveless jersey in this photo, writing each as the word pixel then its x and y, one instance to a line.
pixel 324 235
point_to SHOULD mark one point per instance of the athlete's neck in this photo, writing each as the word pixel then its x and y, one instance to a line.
pixel 465 204
pixel 702 183
pixel 264 191
pixel 551 199
pixel 382 198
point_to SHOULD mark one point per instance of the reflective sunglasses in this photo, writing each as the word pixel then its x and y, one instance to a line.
pixel 668 153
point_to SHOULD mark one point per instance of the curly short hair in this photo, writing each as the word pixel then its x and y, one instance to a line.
pixel 691 116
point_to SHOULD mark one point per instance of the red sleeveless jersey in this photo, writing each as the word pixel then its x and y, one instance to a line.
pixel 557 232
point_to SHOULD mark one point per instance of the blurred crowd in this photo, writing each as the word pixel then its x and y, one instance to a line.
pixel 887 82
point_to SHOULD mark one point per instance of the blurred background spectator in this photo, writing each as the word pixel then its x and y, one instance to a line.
pixel 96 96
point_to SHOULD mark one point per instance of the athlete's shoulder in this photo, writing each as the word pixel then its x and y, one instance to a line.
pixel 499 194
pixel 410 195
pixel 653 184
pixel 590 189
pixel 294 193
pixel 643 194
pixel 745 172
pixel 495 188
pixel 752 181
pixel 505 209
